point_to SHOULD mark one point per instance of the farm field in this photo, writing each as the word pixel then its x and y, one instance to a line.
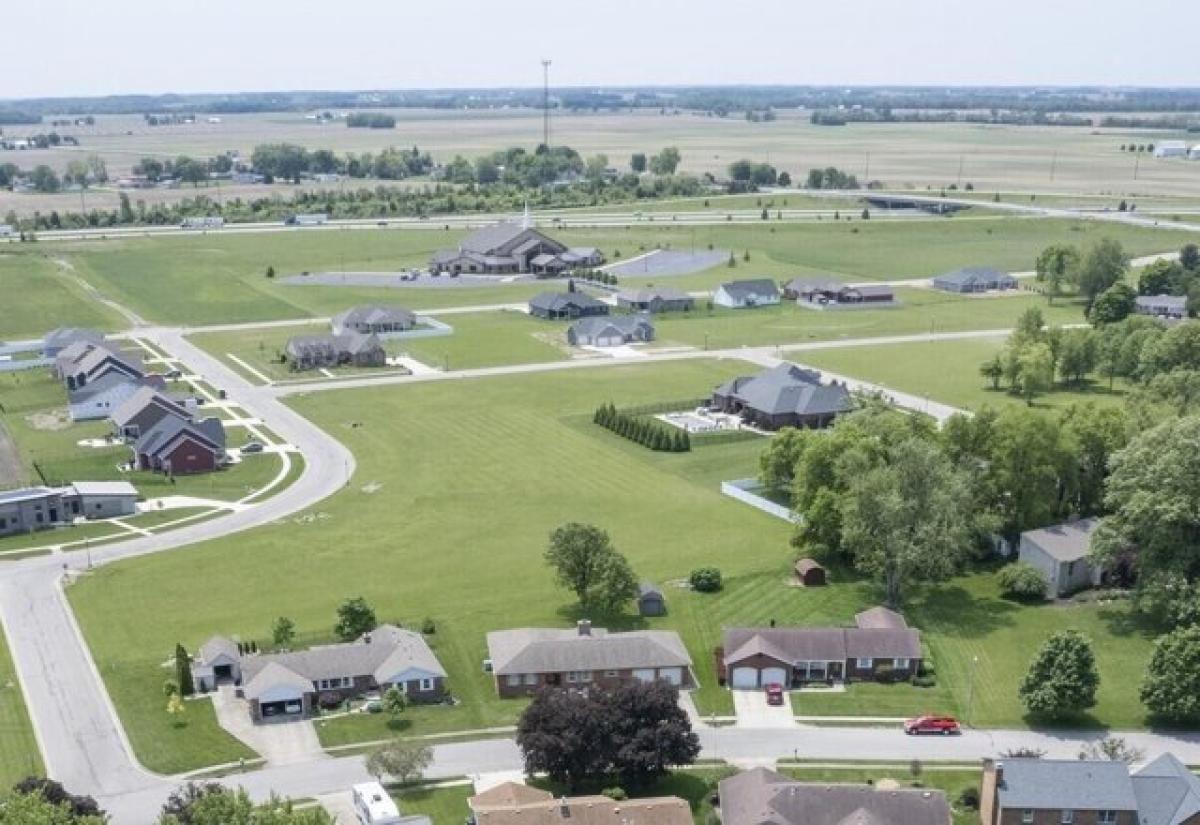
pixel 19 755
pixel 955 381
pixel 221 279
pixel 480 339
pixel 902 155
pixel 478 528
pixel 39 296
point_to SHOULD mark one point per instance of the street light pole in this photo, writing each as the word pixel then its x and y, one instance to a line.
pixel 971 690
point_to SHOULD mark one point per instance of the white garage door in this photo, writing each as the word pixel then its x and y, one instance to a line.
pixel 774 676
pixel 745 677
pixel 644 674
pixel 674 675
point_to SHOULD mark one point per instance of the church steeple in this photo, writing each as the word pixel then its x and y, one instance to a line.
pixel 527 218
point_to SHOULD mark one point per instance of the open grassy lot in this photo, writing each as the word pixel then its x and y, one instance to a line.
pixel 456 532
pixel 19 755
pixel 39 296
pixel 445 806
pixel 480 339
pixel 956 380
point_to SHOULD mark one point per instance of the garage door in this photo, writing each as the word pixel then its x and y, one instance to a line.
pixel 745 677
pixel 674 675
pixel 774 676
pixel 276 709
pixel 645 674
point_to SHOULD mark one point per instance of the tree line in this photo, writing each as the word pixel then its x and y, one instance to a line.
pixel 649 432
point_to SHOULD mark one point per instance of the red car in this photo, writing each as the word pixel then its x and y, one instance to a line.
pixel 945 725
pixel 774 693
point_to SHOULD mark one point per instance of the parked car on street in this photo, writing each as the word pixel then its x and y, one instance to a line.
pixel 252 447
pixel 944 725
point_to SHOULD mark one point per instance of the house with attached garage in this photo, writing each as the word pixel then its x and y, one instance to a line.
pixel 764 797
pixel 566 305
pixel 82 362
pixel 374 320
pixel 310 352
pixel 294 683
pixel 610 331
pixel 795 656
pixel 102 397
pixel 655 299
pixel 1060 553
pixel 144 409
pixel 743 294
pixel 975 279
pixel 1089 792
pixel 526 659
pixel 56 340
pixel 176 446
pixel 785 395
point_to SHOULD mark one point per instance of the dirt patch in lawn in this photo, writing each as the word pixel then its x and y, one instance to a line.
pixel 52 420
pixel 12 471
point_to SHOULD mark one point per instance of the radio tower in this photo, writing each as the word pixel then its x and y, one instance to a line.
pixel 546 103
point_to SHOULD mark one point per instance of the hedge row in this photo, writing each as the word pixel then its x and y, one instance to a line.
pixel 648 432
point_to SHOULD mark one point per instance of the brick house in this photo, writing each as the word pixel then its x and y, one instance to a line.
pixel 179 446
pixel 526 659
pixel 783 396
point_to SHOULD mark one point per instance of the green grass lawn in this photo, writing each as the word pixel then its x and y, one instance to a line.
pixel 956 380
pixel 445 806
pixel 455 532
pixel 953 782
pixel 39 296
pixel 480 339
pixel 19 754
pixel 920 311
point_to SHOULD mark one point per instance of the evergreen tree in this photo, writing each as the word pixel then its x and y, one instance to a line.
pixel 183 671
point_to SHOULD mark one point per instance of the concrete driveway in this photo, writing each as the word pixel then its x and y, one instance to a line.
pixel 282 742
pixel 753 711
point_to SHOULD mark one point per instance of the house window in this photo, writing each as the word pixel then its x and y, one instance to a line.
pixel 584 675
pixel 612 674
pixel 1027 816
pixel 1107 817
pixel 334 684
pixel 1071 568
pixel 426 684
pixel 901 664
pixel 1068 816
pixel 570 676
pixel 531 679
pixel 514 679
pixel 401 686
pixel 864 664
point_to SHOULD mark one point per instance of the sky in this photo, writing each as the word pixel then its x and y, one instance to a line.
pixel 85 47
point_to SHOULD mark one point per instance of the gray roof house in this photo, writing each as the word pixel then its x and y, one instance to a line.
pixel 100 398
pixel 374 320
pixel 310 352
pixel 1060 552
pixel 975 279
pixel 812 289
pixel 610 331
pixel 143 409
pixel 56 340
pixel 1162 792
pixel 880 646
pixel 82 362
pixel 525 659
pixel 509 248
pixel 568 305
pixel 293 683
pixel 1173 307
pixel 177 446
pixel 31 508
pixel 655 299
pixel 783 396
pixel 750 293
pixel 764 797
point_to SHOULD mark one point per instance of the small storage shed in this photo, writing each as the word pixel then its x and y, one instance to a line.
pixel 651 601
pixel 809 573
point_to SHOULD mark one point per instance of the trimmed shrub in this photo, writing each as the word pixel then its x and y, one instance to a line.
pixel 615 793
pixel 1021 580
pixel 705 579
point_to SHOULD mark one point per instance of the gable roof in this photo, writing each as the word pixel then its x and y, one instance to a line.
pixel 559 301
pixel 879 617
pixel 753 286
pixel 508 794
pixel 274 675
pixel 374 315
pixel 488 239
pixel 648 294
pixel 1078 784
pixel 970 275
pixel 589 810
pixel 622 324
pixel 160 438
pixel 787 388
pixel 96 356
pixel 1068 541
pixel 104 384
pixel 219 646
pixel 802 285
pixel 63 337
pixel 764 797
pixel 807 644
pixel 555 650
pixel 147 397
pixel 351 343
pixel 1167 792
pixel 1175 302
pixel 26 494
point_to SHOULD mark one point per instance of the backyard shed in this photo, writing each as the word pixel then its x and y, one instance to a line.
pixel 651 601
pixel 810 573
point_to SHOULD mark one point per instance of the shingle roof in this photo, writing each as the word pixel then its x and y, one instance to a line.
pixel 553 650
pixel 1167 792
pixel 787 388
pixel 508 794
pixel 145 397
pixel 63 337
pixel 622 324
pixel 374 315
pixel 26 494
pixel 219 646
pixel 970 275
pixel 662 293
pixel 589 810
pixel 753 286
pixel 879 617
pixel 210 431
pixel 274 675
pixel 763 797
pixel 331 345
pixel 801 285
pixel 1174 302
pixel 1076 784
pixel 97 355
pixel 559 301
pixel 804 644
pixel 1065 542
pixel 101 385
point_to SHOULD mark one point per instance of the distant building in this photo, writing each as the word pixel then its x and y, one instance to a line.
pixel 82 361
pixel 374 320
pixel 750 293
pixel 37 508
pixel 655 299
pixel 975 279
pixel 102 397
pixel 1173 307
pixel 783 396
pixel 1060 553
pixel 510 248
pixel 835 293
pixel 59 339
pixel 610 331
pixel 310 352
pixel 1171 149
pixel 99 499
pixel 566 305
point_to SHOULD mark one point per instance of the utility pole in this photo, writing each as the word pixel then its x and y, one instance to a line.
pixel 867 170
pixel 546 103
pixel 1053 163
pixel 961 159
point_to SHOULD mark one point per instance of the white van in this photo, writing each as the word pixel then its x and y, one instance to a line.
pixel 373 806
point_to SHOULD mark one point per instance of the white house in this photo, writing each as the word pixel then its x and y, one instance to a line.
pixel 1171 149
pixel 751 293
pixel 1060 552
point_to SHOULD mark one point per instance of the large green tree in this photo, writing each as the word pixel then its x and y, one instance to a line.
pixel 354 618
pixel 1029 470
pixel 1102 265
pixel 1171 688
pixel 1055 267
pixel 908 518
pixel 585 562
pixel 1062 677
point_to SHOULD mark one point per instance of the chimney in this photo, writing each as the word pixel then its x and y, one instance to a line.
pixel 585 627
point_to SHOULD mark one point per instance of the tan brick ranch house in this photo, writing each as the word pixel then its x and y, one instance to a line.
pixel 528 658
